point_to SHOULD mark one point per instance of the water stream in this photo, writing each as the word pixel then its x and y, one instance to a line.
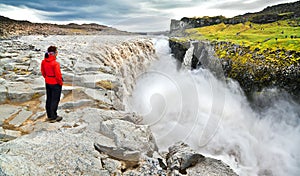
pixel 215 118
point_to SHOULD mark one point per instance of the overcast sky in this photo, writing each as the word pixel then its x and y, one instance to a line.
pixel 129 15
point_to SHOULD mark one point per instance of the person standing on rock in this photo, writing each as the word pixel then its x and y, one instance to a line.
pixel 50 69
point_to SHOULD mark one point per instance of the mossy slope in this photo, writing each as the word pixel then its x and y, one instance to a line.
pixel 256 55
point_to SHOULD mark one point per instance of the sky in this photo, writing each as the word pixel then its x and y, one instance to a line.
pixel 127 15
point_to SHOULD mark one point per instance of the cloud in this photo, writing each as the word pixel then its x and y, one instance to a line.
pixel 131 15
pixel 21 13
pixel 246 5
pixel 144 24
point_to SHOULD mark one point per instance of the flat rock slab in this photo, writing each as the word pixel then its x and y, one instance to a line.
pixel 91 80
pixel 21 117
pixel 19 92
pixel 98 95
pixel 7 111
pixel 50 153
pixel 38 115
pixel 75 104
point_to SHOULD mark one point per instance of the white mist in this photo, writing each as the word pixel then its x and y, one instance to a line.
pixel 216 119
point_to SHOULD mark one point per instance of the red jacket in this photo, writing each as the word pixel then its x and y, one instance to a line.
pixel 50 69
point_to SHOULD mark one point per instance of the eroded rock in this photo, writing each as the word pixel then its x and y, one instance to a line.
pixel 131 140
pixel 181 159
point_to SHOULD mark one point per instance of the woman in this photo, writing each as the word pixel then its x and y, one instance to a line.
pixel 50 69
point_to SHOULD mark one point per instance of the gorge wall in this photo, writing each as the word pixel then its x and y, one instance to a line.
pixel 251 76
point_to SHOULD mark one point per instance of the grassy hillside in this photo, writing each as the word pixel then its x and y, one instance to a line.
pixel 281 34
pixel 257 55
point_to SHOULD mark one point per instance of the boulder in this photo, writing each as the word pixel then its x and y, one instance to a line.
pixel 184 160
pixel 130 140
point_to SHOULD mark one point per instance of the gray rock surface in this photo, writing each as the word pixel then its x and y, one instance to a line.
pixel 7 111
pixel 7 135
pixel 19 92
pixel 50 153
pixel 96 135
pixel 181 159
pixel 3 90
pixel 21 117
pixel 130 140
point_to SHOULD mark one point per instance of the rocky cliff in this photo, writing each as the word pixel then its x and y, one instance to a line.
pixel 252 76
pixel 97 136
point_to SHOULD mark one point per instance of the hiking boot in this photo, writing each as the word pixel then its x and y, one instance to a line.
pixel 58 118
pixel 51 120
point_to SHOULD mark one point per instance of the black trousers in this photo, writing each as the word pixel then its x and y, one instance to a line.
pixel 53 92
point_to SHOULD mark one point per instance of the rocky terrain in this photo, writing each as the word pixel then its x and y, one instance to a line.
pixel 97 136
pixel 11 28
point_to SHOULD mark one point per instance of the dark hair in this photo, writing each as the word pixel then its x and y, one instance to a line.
pixel 52 49
pixel 49 50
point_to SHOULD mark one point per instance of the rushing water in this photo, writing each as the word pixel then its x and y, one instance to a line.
pixel 216 119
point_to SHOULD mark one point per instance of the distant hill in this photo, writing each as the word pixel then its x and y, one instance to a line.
pixel 268 15
pixel 10 27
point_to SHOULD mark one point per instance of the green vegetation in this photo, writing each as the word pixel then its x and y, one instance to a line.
pixel 258 55
pixel 276 35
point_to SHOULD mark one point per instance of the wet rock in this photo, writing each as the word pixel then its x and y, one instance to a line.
pixel 182 159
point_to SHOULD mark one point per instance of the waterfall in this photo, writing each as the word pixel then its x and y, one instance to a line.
pixel 216 119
